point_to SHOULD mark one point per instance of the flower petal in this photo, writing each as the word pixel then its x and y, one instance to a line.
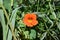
pixel 35 22
pixel 33 16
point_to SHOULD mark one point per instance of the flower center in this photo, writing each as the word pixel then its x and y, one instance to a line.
pixel 29 20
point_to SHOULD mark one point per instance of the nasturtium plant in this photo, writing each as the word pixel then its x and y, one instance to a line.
pixel 30 19
pixel 32 34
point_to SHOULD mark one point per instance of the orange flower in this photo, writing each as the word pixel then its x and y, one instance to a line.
pixel 30 20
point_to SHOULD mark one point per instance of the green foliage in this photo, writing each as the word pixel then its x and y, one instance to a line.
pixel 58 25
pixel 33 34
pixel 43 36
pixel 7 4
pixel 48 15
pixel 4 26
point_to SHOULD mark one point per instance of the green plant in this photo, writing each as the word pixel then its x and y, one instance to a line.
pixel 48 16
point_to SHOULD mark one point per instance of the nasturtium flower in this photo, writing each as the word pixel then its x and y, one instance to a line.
pixel 30 19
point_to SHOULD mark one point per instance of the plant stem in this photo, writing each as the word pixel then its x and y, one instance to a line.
pixel 37 5
pixel 11 2
pixel 12 30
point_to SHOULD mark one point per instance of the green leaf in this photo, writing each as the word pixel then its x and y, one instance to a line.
pixel 20 1
pixel 15 5
pixel 16 32
pixel 58 25
pixel 12 19
pixel 4 26
pixel 13 16
pixel 45 19
pixel 43 36
pixel 40 14
pixel 26 33
pixel 32 1
pixel 53 16
pixel 1 1
pixel 41 26
pixel 54 36
pixel 12 2
pixel 21 24
pixel 7 4
pixel 33 34
pixel 58 14
pixel 48 0
pixel 9 35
